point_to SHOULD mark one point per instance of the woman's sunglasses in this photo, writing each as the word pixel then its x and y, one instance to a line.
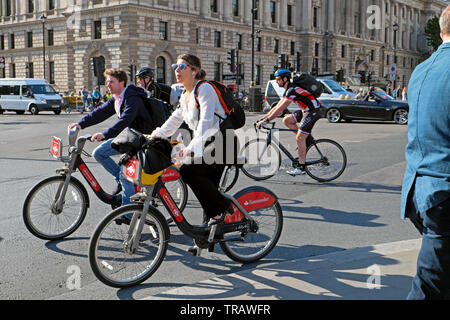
pixel 180 66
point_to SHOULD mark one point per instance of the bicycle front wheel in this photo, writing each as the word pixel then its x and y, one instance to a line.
pixel 263 161
pixel 259 240
pixel 111 256
pixel 326 160
pixel 41 216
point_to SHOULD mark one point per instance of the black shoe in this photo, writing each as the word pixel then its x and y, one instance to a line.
pixel 193 250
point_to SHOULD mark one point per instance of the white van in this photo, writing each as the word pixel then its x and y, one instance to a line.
pixel 273 93
pixel 32 95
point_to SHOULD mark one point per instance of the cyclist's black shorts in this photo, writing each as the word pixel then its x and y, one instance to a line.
pixel 306 123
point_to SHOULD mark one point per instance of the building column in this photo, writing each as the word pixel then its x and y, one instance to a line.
pixel 283 15
pixel 349 17
pixel 306 15
pixel 204 8
pixel 247 12
pixel 331 16
pixel 265 16
pixel 227 10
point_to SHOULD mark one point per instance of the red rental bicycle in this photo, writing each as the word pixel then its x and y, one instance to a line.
pixel 55 207
pixel 126 254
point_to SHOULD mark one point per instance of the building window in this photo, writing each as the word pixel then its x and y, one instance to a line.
pixel 372 55
pixel 217 40
pixel 289 15
pixel 51 4
pixel 51 70
pixel 316 49
pixel 239 41
pixel 161 70
pixel 258 44
pixel 97 29
pixel 30 39
pixel 50 37
pixel 235 7
pixel 163 30
pixel 273 11
pixel 256 12
pixel 343 51
pixel 30 70
pixel 292 48
pixel 30 6
pixel 2 42
pixel 217 71
pixel 276 46
pixel 357 24
pixel 12 43
pixel 12 70
pixel 8 8
pixel 258 75
pixel 197 36
pixel 214 6
pixel 315 17
pixel 387 59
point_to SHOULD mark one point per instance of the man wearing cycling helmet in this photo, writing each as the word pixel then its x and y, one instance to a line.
pixel 145 78
pixel 307 115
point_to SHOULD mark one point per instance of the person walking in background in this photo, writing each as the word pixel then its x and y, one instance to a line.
pixel 425 198
pixel 404 94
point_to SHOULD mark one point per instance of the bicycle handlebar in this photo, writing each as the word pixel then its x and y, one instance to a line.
pixel 265 125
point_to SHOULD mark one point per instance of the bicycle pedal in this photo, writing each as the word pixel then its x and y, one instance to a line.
pixel 195 251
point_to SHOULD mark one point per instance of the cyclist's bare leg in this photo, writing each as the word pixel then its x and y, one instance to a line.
pixel 301 145
pixel 289 122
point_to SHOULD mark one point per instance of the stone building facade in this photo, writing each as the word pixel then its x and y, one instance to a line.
pixel 322 35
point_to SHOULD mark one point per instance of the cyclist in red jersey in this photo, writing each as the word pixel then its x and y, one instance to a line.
pixel 307 115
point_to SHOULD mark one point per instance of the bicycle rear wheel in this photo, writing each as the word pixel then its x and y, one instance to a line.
pixel 263 161
pixel 39 209
pixel 329 160
pixel 261 238
pixel 110 257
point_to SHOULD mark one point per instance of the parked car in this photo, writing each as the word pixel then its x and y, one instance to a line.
pixel 31 95
pixel 274 92
pixel 376 105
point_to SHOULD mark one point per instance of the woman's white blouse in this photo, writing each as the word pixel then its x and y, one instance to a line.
pixel 203 129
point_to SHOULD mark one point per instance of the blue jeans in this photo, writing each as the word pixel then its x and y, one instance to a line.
pixel 103 155
pixel 432 280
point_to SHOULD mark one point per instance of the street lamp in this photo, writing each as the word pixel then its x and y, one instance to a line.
pixel 252 81
pixel 395 28
pixel 43 18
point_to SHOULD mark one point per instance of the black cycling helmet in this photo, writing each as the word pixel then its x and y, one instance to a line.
pixel 145 72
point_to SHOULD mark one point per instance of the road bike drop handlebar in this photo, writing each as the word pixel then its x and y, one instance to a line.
pixel 265 125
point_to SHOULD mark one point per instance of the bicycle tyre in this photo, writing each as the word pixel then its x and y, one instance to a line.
pixel 255 245
pixel 336 160
pixel 234 178
pixel 254 168
pixel 42 199
pixel 107 255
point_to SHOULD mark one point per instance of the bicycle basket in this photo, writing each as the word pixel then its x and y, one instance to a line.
pixel 133 172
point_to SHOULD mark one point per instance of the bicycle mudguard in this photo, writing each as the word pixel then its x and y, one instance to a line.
pixel 170 174
pixel 251 198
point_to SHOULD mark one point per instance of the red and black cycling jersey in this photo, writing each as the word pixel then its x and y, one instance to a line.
pixel 305 100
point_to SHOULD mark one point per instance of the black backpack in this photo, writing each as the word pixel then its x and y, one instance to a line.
pixel 235 113
pixel 159 110
pixel 309 83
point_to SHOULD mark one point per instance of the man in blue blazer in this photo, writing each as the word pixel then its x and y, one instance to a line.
pixel 127 104
pixel 426 186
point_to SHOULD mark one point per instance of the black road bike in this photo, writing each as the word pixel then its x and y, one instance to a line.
pixel 325 159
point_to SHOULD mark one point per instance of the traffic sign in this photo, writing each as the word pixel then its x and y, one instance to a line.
pixel 393 72
pixel 232 76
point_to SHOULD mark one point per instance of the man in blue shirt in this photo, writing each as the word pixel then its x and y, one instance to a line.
pixel 426 185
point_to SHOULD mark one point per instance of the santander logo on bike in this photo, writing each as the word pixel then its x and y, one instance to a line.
pixel 131 168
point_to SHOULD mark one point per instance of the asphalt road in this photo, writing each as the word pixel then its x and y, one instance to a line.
pixel 358 209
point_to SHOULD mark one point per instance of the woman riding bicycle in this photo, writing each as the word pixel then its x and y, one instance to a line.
pixel 202 176
pixel 307 115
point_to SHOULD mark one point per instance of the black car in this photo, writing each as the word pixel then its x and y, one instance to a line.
pixel 377 105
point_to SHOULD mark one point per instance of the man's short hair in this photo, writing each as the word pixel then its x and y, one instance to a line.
pixel 444 21
pixel 119 74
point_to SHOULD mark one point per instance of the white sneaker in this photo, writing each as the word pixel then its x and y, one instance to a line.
pixel 296 172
